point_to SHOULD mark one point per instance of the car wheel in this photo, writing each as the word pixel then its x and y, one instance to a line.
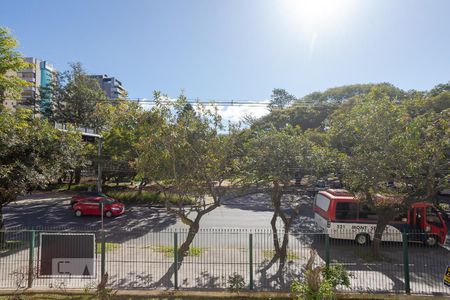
pixel 108 214
pixel 78 213
pixel 431 241
pixel 362 239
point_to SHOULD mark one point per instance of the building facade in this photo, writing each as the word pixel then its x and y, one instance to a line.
pixel 39 75
pixel 111 86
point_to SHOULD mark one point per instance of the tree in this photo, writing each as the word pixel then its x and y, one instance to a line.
pixel 280 99
pixel 32 154
pixel 272 159
pixel 313 110
pixel 382 143
pixel 75 97
pixel 188 159
pixel 11 61
pixel 440 88
pixel 121 138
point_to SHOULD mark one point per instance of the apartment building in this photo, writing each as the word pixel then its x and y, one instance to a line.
pixel 39 75
pixel 112 87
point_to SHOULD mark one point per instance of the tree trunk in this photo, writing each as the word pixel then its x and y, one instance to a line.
pixel 280 251
pixel 77 175
pixel 142 184
pixel 381 226
pixel 70 181
pixel 182 252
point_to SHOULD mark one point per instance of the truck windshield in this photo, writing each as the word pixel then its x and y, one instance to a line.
pixel 433 217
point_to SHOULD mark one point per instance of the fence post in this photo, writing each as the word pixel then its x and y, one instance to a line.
pixel 250 258
pixel 406 263
pixel 103 255
pixel 175 259
pixel 31 259
pixel 327 249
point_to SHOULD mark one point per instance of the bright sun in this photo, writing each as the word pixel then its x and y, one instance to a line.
pixel 317 14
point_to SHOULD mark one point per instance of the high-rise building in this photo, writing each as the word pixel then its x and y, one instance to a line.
pixel 47 75
pixel 111 86
pixel 39 75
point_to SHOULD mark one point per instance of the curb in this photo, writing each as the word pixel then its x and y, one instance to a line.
pixel 218 294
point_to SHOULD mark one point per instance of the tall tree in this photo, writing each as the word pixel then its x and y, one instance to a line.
pixel 32 154
pixel 75 97
pixel 121 138
pixel 272 160
pixel 186 157
pixel 280 99
pixel 11 61
pixel 382 143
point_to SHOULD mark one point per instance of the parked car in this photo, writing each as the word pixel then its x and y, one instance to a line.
pixel 92 206
pixel 85 195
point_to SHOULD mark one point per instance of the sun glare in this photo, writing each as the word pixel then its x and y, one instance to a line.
pixel 316 14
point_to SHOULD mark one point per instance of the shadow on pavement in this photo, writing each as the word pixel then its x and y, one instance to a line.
pixel 138 220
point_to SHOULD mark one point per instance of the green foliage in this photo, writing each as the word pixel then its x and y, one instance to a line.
pixel 11 61
pixel 279 99
pixel 345 93
pixel 319 283
pixel 381 142
pixel 444 206
pixel 148 197
pixel 76 99
pixel 291 255
pixel 168 250
pixel 128 123
pixel 313 110
pixel 302 291
pixel 235 282
pixel 32 153
pixel 108 247
pixel 185 154
pixel 336 275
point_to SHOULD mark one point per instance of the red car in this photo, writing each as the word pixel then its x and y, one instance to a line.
pixel 85 195
pixel 92 206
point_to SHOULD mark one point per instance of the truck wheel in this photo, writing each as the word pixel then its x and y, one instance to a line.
pixel 431 241
pixel 78 213
pixel 108 214
pixel 362 239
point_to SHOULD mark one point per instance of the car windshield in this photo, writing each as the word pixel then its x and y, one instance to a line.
pixel 110 201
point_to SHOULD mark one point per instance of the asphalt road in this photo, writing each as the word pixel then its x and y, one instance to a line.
pixel 52 211
pixel 143 227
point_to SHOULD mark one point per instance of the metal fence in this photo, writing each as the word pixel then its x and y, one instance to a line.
pixel 137 259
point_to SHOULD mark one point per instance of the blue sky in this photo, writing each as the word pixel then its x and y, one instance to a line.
pixel 239 49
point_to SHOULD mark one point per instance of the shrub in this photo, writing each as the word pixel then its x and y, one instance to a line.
pixel 320 282
pixel 235 282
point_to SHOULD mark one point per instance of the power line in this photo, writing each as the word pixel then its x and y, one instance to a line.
pixel 209 102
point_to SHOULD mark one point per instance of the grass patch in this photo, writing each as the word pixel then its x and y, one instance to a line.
pixel 108 247
pixel 168 250
pixel 13 245
pixel 146 197
pixel 368 256
pixel 270 253
pixel 74 187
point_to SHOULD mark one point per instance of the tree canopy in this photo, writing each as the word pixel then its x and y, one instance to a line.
pixel 11 61
pixel 387 151
pixel 76 97
pixel 32 154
